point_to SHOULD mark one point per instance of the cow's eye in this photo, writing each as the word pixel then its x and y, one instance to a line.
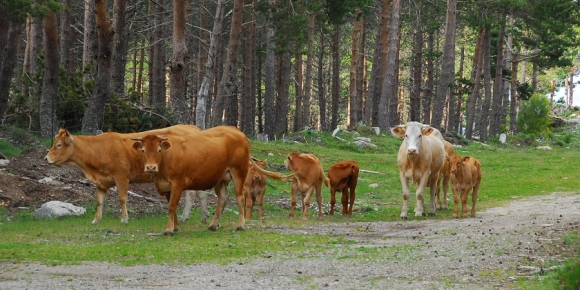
pixel 158 150
pixel 58 145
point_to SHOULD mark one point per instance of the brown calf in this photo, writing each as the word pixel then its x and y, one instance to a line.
pixel 308 176
pixel 444 177
pixel 343 177
pixel 465 176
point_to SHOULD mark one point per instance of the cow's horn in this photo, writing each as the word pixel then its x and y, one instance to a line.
pixel 137 139
pixel 163 139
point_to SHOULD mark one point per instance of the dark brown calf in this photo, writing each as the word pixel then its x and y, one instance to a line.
pixel 343 177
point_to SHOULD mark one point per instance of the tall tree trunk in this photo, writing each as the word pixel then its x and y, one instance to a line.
pixel 177 65
pixel 430 81
pixel 93 119
pixel 373 91
pixel 119 47
pixel 323 121
pixel 389 99
pixel 269 80
pixel 140 73
pixel 353 97
pixel 446 80
pixel 476 80
pixel 361 73
pixel 259 96
pixel 459 93
pixel 248 105
pixel 415 100
pixel 384 51
pixel 31 66
pixel 226 87
pixel 8 62
pixel 335 89
pixel 298 88
pixel 497 102
pixel 4 28
pixel 306 122
pixel 90 45
pixel 282 102
pixel 482 125
pixel 513 93
pixel 47 110
pixel 207 83
pixel 65 36
pixel 571 82
pixel 157 91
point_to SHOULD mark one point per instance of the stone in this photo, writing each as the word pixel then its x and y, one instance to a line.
pixel 57 209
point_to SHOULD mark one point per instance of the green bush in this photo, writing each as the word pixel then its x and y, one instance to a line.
pixel 569 275
pixel 534 116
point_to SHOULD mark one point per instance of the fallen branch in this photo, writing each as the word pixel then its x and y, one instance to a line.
pixel 143 197
pixel 531 270
pixel 368 171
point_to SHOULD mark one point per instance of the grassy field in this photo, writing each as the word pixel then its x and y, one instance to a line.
pixel 510 172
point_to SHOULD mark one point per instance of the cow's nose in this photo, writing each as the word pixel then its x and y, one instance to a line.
pixel 412 151
pixel 151 168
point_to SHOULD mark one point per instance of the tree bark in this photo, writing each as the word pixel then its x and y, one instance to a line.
pixel 429 81
pixel 90 45
pixel 8 62
pixel 353 97
pixel 282 102
pixel 389 100
pixel 497 102
pixel 65 36
pixel 335 89
pixel 447 78
pixel 269 80
pixel 249 85
pixel 415 100
pixel 177 65
pixel 306 122
pixel 207 83
pixel 93 119
pixel 323 121
pixel 119 47
pixel 476 80
pixel 226 88
pixel 513 93
pixel 48 99
pixel 298 89
pixel 482 125
pixel 157 91
pixel 31 65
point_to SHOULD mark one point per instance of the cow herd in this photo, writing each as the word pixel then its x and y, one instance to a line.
pixel 184 158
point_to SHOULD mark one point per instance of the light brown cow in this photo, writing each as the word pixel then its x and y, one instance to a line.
pixel 107 160
pixel 420 159
pixel 465 176
pixel 308 177
pixel 200 161
pixel 343 177
pixel 444 177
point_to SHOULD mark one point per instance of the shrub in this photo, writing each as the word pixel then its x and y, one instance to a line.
pixel 534 116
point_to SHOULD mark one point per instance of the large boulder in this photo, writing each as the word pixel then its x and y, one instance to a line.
pixel 57 209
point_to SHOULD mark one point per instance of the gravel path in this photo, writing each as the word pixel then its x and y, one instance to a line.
pixel 487 252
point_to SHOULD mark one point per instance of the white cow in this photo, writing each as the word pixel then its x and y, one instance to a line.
pixel 420 159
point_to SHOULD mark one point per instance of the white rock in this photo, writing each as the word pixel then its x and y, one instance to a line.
pixel 374 185
pixel 4 162
pixel 49 180
pixel 56 209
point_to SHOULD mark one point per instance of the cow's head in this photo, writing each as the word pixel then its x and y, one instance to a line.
pixel 455 163
pixel 62 148
pixel 413 133
pixel 254 173
pixel 151 146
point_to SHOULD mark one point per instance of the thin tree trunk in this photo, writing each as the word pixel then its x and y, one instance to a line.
pixel 389 100
pixel 269 80
pixel 497 102
pixel 282 102
pixel 119 47
pixel 323 121
pixel 65 36
pixel 90 45
pixel 571 82
pixel 306 122
pixel 415 100
pixel 476 80
pixel 384 50
pixel 430 81
pixel 482 125
pixel 353 97
pixel 31 67
pixel 177 65
pixel 207 83
pixel 298 90
pixel 140 73
pixel 47 110
pixel 157 91
pixel 226 87
pixel 249 85
pixel 361 74
pixel 446 80
pixel 93 119
pixel 458 115
pixel 8 62
pixel 513 93
pixel 335 89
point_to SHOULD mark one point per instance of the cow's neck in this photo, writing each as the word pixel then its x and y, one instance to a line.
pixel 84 155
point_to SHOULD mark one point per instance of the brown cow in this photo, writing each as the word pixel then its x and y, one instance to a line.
pixel 343 177
pixel 465 176
pixel 308 177
pixel 420 159
pixel 444 177
pixel 107 160
pixel 200 161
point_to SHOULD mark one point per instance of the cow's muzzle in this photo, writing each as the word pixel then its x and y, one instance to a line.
pixel 151 168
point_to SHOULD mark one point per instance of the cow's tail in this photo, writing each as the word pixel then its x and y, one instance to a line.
pixel 326 181
pixel 273 175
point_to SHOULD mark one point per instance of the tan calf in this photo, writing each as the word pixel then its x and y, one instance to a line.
pixel 308 177
pixel 465 176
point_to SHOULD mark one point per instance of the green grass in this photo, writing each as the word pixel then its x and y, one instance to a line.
pixel 510 172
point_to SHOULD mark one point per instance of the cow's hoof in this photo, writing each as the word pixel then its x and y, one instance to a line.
pixel 125 221
pixel 304 218
pixel 168 233
pixel 431 214
pixel 95 222
pixel 455 217
pixel 240 228
pixel 404 217
pixel 212 228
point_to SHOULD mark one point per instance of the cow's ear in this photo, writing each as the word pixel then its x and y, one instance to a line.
pixel 399 130
pixel 427 130
pixel 165 145
pixel 466 158
pixel 137 145
pixel 289 157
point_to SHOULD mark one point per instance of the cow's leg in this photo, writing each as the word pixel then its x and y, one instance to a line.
pixel 249 203
pixel 456 193
pixel 474 197
pixel 202 195
pixel 438 195
pixel 306 202
pixel 293 199
pixel 464 198
pixel 445 191
pixel 260 202
pixel 406 194
pixel 221 192
pixel 176 190
pixel 420 206
pixel 433 189
pixel 188 205
pixel 352 196
pixel 332 200
pixel 344 200
pixel 241 199
pixel 122 188
pixel 101 194
pixel 319 200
